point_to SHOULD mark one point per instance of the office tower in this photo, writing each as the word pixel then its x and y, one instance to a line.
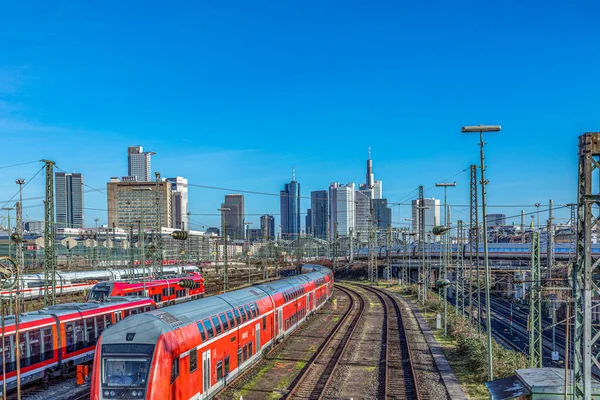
pixel 133 203
pixel 309 222
pixel 341 209
pixel 234 217
pixel 431 213
pixel 319 212
pixel 255 235
pixel 383 214
pixel 69 200
pixel 213 230
pixel 363 212
pixel 267 225
pixel 140 167
pixel 290 209
pixel 496 220
pixel 179 203
pixel 371 188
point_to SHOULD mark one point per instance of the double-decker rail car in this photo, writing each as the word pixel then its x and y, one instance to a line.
pixel 191 350
pixel 56 338
pixel 162 291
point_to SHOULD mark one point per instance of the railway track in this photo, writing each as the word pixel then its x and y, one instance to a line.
pixel 314 379
pixel 399 380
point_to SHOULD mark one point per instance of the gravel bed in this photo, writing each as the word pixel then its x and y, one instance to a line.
pixel 359 370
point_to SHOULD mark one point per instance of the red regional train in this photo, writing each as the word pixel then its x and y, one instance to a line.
pixel 191 350
pixel 162 291
pixel 56 338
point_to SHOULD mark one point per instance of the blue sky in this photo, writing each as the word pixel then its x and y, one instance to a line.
pixel 234 94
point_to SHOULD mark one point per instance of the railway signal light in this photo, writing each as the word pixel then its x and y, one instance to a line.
pixel 180 235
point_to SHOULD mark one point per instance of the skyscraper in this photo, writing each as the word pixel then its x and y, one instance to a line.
pixel 309 222
pixel 140 166
pixel 234 218
pixel 179 203
pixel 363 212
pixel 383 214
pixel 69 200
pixel 130 203
pixel 341 208
pixel 431 213
pixel 371 187
pixel 267 225
pixel 290 209
pixel 319 212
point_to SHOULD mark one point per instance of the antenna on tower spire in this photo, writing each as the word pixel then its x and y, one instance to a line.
pixel 293 174
pixel 369 152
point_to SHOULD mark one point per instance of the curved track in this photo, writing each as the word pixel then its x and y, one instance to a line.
pixel 314 379
pixel 400 379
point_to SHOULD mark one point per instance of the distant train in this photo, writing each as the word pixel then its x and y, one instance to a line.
pixel 68 282
pixel 190 350
pixel 162 291
pixel 562 251
pixel 56 338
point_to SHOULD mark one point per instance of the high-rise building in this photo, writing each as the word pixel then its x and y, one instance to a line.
pixel 179 203
pixel 371 188
pixel 431 213
pixel 309 222
pixel 289 199
pixel 133 203
pixel 140 166
pixel 383 214
pixel 363 212
pixel 494 220
pixel 234 217
pixel 267 225
pixel 341 209
pixel 69 200
pixel 319 211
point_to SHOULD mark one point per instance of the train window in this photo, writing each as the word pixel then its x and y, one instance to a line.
pixel 250 349
pixel 244 318
pixel 219 370
pixel 217 324
pixel 47 349
pixel 202 332
pixel 248 312
pixel 239 357
pixel 245 353
pixel 237 316
pixel 175 369
pixel 69 336
pixel 172 290
pixel 252 310
pixel 90 332
pixel 8 353
pixel 231 319
pixel 264 322
pixel 257 309
pixel 193 360
pixel 226 365
pixel 224 321
pixel 79 332
pixel 209 329
pixel 99 324
pixel 35 347
pixel 165 292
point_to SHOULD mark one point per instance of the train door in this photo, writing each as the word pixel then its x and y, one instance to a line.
pixel 279 319
pixel 257 338
pixel 313 299
pixel 117 316
pixel 206 372
pixel 308 305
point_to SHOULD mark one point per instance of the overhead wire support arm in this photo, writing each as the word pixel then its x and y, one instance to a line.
pixel 49 234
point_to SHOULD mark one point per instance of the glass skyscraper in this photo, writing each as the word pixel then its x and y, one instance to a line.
pixel 139 164
pixel 234 217
pixel 69 200
pixel 319 206
pixel 267 225
pixel 290 210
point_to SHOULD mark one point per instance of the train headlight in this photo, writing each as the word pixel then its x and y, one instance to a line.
pixel 106 393
pixel 112 393
pixel 134 393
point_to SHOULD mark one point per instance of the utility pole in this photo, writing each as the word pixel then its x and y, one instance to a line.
pixel 522 226
pixel 157 242
pixel 388 239
pixel 550 241
pixel 421 208
pixel 49 233
pixel 447 251
pixel 335 243
pixel 8 210
pixel 474 246
pixel 535 305
pixel 225 260
pixel 404 266
pixel 248 251
pixel 460 273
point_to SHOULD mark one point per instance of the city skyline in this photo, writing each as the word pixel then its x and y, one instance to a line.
pixel 339 91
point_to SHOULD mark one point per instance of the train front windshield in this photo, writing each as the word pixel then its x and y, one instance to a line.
pixel 99 293
pixel 125 370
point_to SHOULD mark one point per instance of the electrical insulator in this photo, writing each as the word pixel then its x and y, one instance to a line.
pixel 180 235
pixel 15 237
pixel 187 283
pixel 439 230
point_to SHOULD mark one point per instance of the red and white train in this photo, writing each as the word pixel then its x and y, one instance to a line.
pixel 162 291
pixel 191 350
pixel 56 338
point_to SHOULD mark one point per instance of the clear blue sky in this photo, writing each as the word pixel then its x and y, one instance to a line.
pixel 234 94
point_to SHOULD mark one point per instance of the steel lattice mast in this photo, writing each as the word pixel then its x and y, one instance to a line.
pixel 460 273
pixel 49 258
pixel 550 241
pixel 157 243
pixel 474 245
pixel 421 268
pixel 585 265
pixel 535 305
